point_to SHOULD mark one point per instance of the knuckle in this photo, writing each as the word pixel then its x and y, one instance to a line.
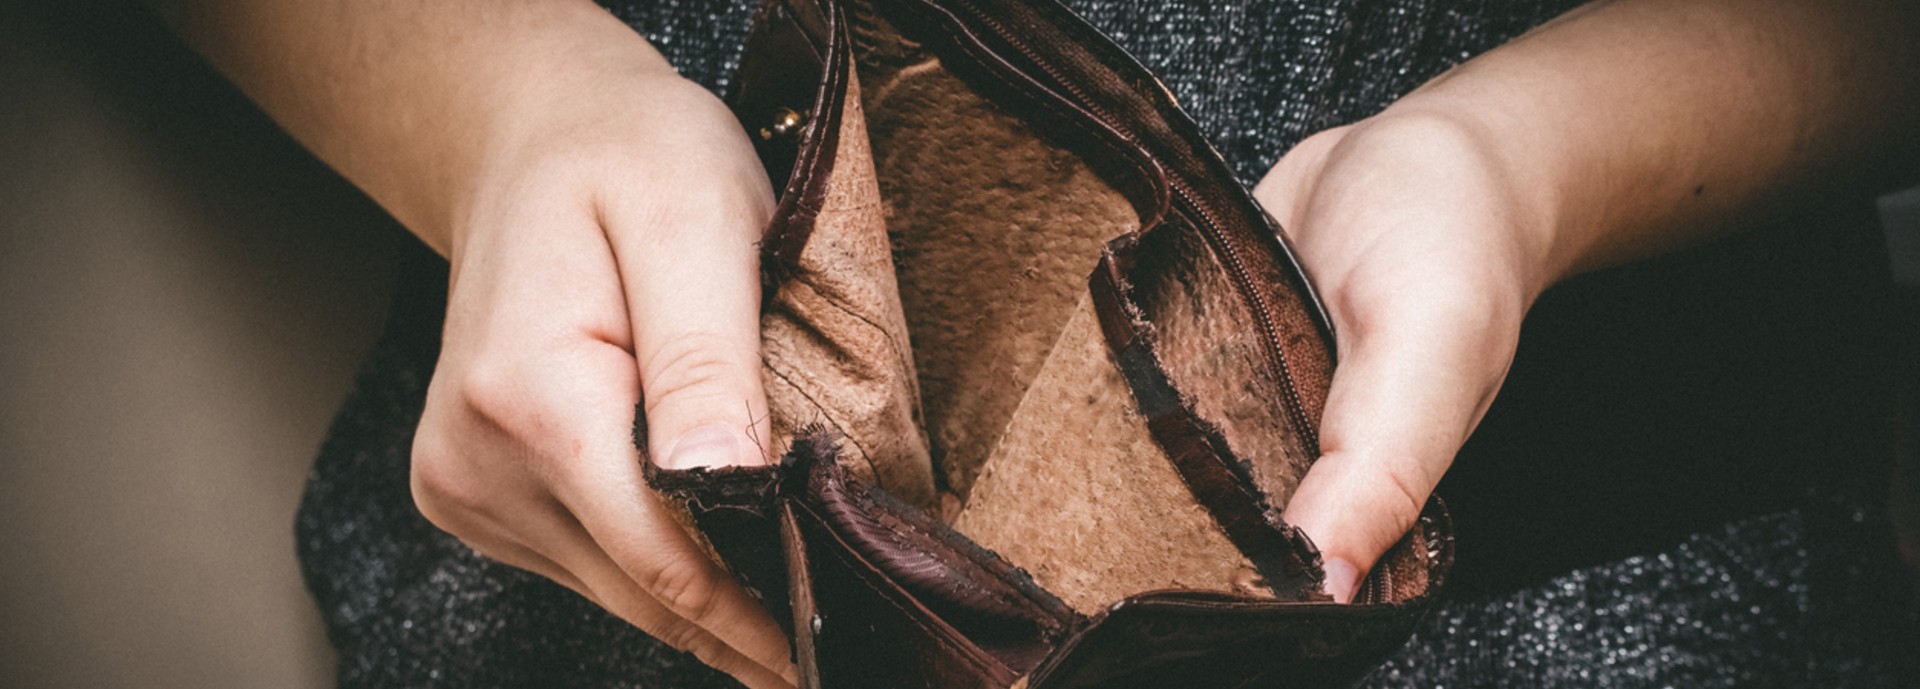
pixel 679 208
pixel 1405 499
pixel 502 555
pixel 686 587
pixel 692 366
pixel 727 663
pixel 492 392
pixel 439 486
pixel 446 510
pixel 684 635
pixel 716 655
pixel 508 403
pixel 451 481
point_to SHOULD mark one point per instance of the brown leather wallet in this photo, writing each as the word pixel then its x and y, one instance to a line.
pixel 1042 374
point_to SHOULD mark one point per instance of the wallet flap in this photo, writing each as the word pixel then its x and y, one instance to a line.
pixel 1224 483
pixel 883 579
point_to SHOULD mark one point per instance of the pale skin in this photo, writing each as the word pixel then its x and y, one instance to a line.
pixel 600 215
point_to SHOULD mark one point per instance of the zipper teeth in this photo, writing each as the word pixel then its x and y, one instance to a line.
pixel 1236 265
pixel 1296 411
pixel 1373 590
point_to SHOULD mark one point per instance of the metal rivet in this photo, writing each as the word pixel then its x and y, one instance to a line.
pixel 786 121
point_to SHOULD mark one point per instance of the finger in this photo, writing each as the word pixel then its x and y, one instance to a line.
pixel 601 486
pixel 680 577
pixel 1404 399
pixel 689 268
pixel 587 452
pixel 445 493
pixel 538 535
pixel 600 581
pixel 514 554
pixel 568 541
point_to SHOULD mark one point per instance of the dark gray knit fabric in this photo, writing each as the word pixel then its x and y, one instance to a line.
pixel 1259 75
pixel 1678 549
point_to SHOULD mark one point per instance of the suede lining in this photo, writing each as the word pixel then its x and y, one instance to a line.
pixel 937 318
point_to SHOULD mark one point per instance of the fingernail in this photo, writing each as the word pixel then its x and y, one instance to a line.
pixel 1342 579
pixel 711 445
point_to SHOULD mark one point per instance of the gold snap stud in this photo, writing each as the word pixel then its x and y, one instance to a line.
pixel 786 122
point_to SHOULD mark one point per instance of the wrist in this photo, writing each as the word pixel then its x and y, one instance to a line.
pixel 1465 163
pixel 539 107
pixel 414 102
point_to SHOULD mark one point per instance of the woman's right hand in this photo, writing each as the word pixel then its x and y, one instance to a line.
pixel 601 215
pixel 607 256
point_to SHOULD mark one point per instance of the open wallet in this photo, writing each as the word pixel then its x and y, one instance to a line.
pixel 1042 375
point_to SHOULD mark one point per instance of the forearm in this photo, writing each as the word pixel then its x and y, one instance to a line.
pixel 413 101
pixel 1632 127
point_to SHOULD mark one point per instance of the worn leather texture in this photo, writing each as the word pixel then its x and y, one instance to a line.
pixel 1042 374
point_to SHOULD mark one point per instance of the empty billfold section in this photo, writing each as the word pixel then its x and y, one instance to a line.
pixel 1042 374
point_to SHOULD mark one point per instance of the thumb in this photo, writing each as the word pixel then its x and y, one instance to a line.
pixel 693 296
pixel 1402 403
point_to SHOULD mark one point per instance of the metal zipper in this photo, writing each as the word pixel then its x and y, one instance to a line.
pixel 1374 589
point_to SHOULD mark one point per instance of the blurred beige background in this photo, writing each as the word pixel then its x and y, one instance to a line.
pixel 184 296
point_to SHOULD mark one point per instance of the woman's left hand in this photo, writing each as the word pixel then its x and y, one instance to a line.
pixel 1621 130
pixel 1427 258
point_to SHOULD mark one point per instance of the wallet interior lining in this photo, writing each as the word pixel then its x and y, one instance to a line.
pixel 939 320
pixel 1204 338
pixel 993 232
pixel 1069 498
